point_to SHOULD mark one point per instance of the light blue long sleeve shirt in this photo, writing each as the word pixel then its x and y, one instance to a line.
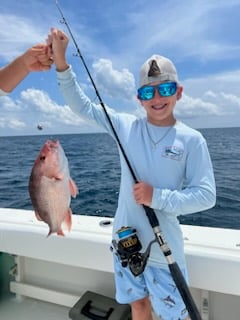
pixel 179 168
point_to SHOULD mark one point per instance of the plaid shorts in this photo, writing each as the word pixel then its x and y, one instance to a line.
pixel 155 283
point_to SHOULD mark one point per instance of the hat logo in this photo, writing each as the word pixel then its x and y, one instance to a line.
pixel 154 70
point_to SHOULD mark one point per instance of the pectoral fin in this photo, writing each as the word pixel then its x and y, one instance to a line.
pixel 73 188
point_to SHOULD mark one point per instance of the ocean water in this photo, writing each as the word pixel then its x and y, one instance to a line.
pixel 94 165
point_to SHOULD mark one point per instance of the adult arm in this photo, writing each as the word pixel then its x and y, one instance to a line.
pixel 34 59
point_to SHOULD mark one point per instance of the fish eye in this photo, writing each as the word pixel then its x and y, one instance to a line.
pixel 42 158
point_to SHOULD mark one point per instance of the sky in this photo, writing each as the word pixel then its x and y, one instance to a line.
pixel 201 37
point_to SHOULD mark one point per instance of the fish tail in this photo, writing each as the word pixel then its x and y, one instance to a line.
pixel 59 233
pixel 49 233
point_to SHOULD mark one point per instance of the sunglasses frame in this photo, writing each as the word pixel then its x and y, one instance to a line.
pixel 142 94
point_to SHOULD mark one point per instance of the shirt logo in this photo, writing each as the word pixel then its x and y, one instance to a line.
pixel 172 152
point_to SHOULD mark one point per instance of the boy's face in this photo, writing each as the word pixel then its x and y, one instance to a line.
pixel 160 108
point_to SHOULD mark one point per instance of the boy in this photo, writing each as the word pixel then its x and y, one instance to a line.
pixel 173 166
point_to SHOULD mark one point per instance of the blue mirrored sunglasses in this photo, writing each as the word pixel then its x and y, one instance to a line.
pixel 166 89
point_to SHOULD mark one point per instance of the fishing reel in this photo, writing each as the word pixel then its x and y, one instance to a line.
pixel 128 250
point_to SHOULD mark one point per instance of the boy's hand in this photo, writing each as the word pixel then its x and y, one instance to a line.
pixel 57 42
pixel 143 193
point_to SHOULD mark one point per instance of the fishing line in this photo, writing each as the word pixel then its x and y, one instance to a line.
pixel 172 264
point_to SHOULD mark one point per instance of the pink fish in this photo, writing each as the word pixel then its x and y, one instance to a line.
pixel 51 188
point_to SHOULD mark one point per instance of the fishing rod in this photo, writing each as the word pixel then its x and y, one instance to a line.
pixel 172 264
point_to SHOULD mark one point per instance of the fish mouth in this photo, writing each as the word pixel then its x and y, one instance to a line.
pixel 53 143
pixel 51 146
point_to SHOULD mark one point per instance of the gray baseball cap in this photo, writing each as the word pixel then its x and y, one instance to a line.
pixel 157 68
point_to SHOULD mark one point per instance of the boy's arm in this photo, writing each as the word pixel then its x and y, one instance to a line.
pixel 200 191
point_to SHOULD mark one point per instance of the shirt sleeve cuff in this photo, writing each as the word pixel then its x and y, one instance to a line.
pixel 63 75
pixel 157 201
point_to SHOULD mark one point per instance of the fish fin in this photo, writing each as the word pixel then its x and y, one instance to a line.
pixel 60 233
pixel 73 188
pixel 59 176
pixel 68 220
pixel 38 216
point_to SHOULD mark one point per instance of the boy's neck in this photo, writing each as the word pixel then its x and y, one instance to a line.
pixel 162 123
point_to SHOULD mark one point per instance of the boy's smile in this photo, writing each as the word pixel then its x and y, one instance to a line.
pixel 159 107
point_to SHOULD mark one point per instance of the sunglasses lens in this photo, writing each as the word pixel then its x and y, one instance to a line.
pixel 167 89
pixel 146 93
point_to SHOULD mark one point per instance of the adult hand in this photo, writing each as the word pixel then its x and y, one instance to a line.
pixel 37 58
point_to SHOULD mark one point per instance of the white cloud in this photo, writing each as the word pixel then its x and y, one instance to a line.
pixel 230 100
pixel 9 105
pixel 209 94
pixel 11 123
pixel 193 107
pixel 18 34
pixel 35 106
pixel 214 98
pixel 118 84
pixel 16 124
pixel 39 102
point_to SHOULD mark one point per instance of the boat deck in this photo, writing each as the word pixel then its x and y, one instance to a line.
pixel 30 309
pixel 13 307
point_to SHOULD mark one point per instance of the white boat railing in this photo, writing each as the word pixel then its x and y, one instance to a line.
pixel 54 268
